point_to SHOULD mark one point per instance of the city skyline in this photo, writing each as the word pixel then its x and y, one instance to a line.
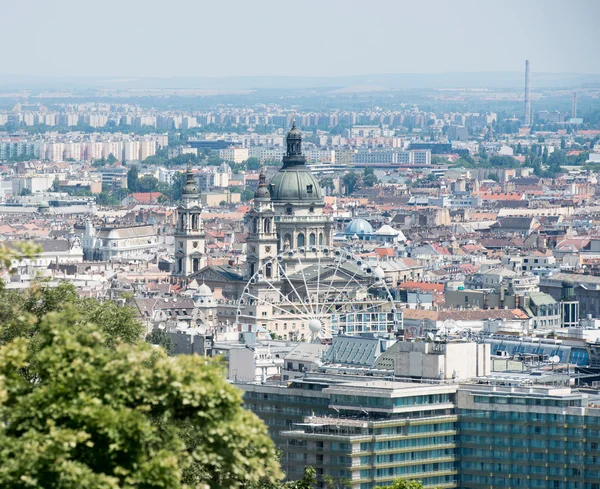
pixel 331 39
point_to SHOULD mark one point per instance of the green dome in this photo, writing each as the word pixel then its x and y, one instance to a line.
pixel 295 184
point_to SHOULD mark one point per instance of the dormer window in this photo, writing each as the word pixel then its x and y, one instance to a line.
pixel 289 211
pixel 309 189
pixel 311 210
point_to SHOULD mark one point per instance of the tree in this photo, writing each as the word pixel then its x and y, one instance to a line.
pixel 132 178
pixel 177 184
pixel 223 203
pixel 147 183
pixel 563 143
pixel 336 483
pixel 122 417
pixel 247 195
pixel 545 154
pixel 55 185
pixel 213 159
pixel 160 338
pixel 404 484
pixel 84 403
pixel 252 163
pixel 111 160
pixel 24 192
pixel 327 182
pixel 369 178
pixel 22 312
pixel 351 182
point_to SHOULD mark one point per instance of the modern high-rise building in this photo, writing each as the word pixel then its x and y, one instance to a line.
pixel 528 437
pixel 481 433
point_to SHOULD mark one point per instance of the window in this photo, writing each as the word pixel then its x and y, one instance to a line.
pixel 309 189
pixel 311 210
pixel 312 239
pixel 300 240
pixel 289 211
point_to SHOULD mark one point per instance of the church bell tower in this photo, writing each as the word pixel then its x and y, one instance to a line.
pixel 190 250
pixel 262 238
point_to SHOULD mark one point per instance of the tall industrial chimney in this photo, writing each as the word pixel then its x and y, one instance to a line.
pixel 527 94
pixel 574 106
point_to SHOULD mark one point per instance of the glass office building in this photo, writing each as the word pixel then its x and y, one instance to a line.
pixel 519 437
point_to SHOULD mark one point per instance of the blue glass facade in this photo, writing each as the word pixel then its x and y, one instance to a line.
pixel 528 442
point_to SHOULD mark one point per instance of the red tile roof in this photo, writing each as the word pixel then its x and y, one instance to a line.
pixel 422 286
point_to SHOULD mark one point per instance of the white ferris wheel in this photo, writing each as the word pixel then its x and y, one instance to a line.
pixel 311 294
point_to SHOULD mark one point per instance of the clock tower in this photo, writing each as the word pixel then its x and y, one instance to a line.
pixel 190 250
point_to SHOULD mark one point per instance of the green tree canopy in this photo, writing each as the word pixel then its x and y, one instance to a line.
pixel 404 484
pixel 147 183
pixel 132 178
pixel 351 181
pixel 252 163
pixel 247 195
pixel 84 403
pixel 327 182
pixel 122 417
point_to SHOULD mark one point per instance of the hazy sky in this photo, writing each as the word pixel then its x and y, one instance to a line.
pixel 303 37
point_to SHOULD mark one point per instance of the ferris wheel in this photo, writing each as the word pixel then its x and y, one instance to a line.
pixel 311 294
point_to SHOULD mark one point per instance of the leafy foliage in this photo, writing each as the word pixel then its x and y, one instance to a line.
pixel 122 417
pixel 22 312
pixel 404 484
pixel 84 403
pixel 351 182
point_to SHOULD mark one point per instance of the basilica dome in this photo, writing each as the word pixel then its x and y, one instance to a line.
pixel 295 184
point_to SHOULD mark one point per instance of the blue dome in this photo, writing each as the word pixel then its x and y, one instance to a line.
pixel 358 226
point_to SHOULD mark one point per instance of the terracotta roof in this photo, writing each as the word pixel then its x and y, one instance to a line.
pixel 146 197
pixel 384 251
pixel 422 286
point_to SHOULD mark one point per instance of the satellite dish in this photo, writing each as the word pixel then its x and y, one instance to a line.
pixel 554 359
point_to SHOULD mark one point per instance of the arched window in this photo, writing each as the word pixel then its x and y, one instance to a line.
pixel 180 265
pixel 251 269
pixel 196 265
pixel 312 240
pixel 320 239
pixel 269 270
pixel 267 225
pixel 300 240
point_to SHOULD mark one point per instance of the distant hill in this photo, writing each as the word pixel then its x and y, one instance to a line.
pixel 491 80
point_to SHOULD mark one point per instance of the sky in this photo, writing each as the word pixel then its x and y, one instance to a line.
pixel 160 38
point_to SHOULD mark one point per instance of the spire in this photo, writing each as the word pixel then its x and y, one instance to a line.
pixel 189 189
pixel 262 192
